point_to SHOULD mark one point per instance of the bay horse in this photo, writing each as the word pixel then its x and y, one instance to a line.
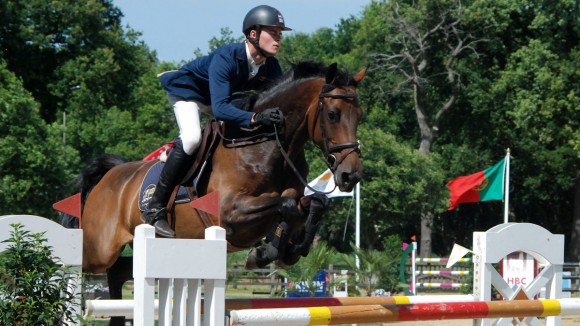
pixel 261 185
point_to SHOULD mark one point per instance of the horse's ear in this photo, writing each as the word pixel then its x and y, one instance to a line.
pixel 360 75
pixel 331 73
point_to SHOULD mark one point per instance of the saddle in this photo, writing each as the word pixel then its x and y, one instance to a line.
pixel 188 189
pixel 201 166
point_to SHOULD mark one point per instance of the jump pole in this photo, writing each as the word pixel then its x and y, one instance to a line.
pixel 442 273
pixel 338 315
pixel 107 308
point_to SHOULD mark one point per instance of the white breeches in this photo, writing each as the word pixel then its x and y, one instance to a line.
pixel 187 116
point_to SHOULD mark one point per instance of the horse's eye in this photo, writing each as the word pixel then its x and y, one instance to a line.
pixel 333 116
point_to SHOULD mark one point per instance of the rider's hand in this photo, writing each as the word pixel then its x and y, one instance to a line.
pixel 268 118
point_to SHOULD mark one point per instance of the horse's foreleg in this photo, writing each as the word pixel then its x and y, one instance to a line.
pixel 302 240
pixel 288 215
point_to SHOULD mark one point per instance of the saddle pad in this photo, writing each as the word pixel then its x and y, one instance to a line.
pixel 149 184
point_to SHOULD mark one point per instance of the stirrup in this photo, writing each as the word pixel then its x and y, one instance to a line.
pixel 152 215
pixel 157 217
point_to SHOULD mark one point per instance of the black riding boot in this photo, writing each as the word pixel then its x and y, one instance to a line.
pixel 173 172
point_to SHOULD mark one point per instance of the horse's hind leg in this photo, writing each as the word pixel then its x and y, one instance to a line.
pixel 117 275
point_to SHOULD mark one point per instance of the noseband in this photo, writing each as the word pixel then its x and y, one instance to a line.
pixel 329 152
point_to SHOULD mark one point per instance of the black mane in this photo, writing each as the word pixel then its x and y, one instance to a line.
pixel 306 69
pixel 298 73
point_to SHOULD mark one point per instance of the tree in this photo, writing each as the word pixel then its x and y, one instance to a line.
pixel 429 40
pixel 225 38
pixel 519 95
pixel 538 91
pixel 324 45
pixel 32 157
pixel 77 61
pixel 398 182
pixel 37 37
pixel 109 87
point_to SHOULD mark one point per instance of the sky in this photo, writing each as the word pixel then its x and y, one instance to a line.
pixel 175 28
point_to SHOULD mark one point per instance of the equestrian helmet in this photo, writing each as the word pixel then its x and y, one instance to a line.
pixel 263 16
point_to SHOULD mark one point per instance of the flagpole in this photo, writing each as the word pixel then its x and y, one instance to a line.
pixel 414 267
pixel 357 223
pixel 507 187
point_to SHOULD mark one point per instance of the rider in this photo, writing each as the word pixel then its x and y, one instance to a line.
pixel 210 81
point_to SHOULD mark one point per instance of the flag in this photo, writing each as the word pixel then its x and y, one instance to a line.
pixel 456 254
pixel 481 186
pixel 325 183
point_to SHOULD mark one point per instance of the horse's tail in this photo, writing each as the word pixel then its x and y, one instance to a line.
pixel 68 221
pixel 94 171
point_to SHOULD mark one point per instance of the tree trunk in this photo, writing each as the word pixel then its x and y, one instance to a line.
pixel 425 244
pixel 574 249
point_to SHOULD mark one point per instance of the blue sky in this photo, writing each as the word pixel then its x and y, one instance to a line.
pixel 175 28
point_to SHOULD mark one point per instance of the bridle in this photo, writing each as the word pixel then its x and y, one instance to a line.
pixel 330 158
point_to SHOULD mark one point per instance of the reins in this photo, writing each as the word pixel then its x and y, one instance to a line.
pixel 254 139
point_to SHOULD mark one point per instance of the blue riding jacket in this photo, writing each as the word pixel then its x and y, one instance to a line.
pixel 212 79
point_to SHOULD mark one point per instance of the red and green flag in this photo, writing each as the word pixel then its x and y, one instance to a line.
pixel 481 186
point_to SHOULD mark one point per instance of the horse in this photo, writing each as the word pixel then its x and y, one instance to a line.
pixel 261 183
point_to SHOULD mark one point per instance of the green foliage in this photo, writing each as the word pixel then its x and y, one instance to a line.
pixel 33 162
pixel 543 123
pixel 76 59
pixel 398 182
pixel 389 275
pixel 468 288
pixel 38 37
pixel 225 38
pixel 307 268
pixel 374 269
pixel 34 287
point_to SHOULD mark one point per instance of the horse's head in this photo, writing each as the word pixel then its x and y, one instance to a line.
pixel 335 118
pixel 329 102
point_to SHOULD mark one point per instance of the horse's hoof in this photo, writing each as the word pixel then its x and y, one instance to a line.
pixel 281 264
pixel 289 260
pixel 257 259
pixel 252 259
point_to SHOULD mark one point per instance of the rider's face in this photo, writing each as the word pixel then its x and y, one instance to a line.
pixel 270 39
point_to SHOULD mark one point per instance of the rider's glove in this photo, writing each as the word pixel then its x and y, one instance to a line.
pixel 268 118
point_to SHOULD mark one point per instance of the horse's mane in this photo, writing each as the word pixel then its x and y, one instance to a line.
pixel 298 73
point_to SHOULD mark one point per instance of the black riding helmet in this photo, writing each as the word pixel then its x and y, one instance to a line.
pixel 262 16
